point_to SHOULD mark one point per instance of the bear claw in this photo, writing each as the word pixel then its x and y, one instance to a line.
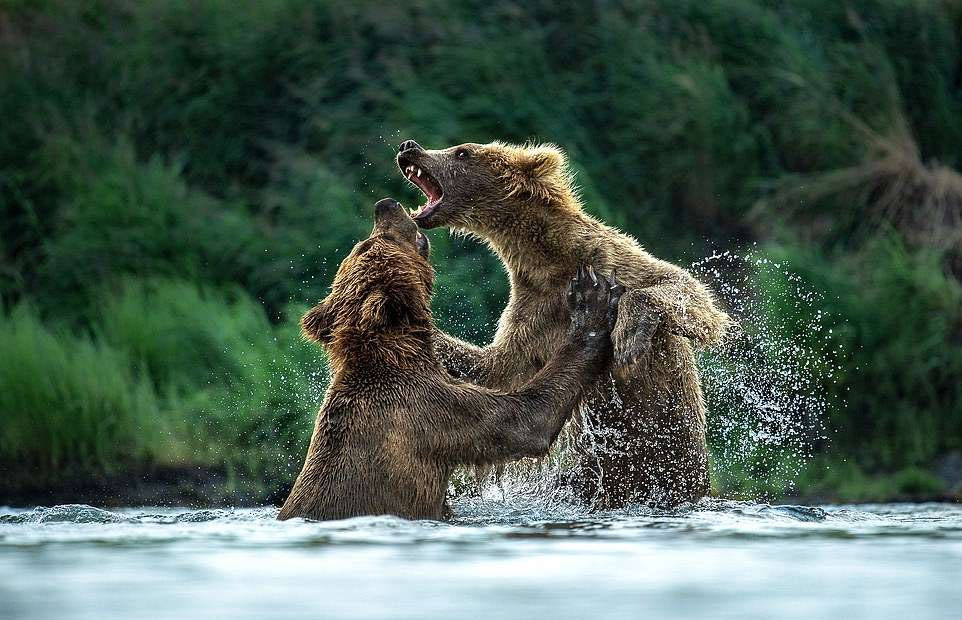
pixel 593 302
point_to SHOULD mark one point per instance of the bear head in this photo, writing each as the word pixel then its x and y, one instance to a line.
pixel 477 187
pixel 380 302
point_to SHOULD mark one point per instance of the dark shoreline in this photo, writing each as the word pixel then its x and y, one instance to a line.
pixel 201 487
pixel 190 487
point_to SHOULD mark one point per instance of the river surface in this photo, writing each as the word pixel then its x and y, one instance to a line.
pixel 718 559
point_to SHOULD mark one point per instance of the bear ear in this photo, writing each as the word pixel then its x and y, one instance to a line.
pixel 316 323
pixel 540 161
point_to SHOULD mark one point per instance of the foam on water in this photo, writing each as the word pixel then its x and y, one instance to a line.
pixel 477 522
pixel 474 515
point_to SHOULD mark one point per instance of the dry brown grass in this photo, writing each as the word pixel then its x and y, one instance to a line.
pixel 891 185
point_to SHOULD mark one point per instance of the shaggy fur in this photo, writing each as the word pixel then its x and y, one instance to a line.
pixel 647 416
pixel 394 423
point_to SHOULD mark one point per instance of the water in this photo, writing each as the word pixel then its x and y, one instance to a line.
pixel 718 559
pixel 769 386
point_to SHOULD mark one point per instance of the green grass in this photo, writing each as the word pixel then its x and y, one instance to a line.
pixel 172 375
pixel 841 480
pixel 73 404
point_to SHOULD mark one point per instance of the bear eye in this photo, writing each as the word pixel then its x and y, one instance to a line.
pixel 462 153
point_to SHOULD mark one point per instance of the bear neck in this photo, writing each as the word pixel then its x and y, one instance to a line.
pixel 353 352
pixel 538 241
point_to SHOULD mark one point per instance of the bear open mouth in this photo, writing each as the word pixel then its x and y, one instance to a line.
pixel 423 180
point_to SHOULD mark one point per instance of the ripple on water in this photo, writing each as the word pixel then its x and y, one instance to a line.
pixel 478 522
pixel 66 513
pixel 478 519
pixel 514 558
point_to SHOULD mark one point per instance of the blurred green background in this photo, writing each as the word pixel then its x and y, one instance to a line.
pixel 180 179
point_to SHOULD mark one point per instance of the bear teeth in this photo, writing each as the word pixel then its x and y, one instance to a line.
pixel 419 173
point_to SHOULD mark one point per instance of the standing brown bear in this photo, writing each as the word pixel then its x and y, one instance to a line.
pixel 394 423
pixel 643 433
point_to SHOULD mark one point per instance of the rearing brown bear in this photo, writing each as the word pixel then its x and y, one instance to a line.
pixel 646 417
pixel 394 423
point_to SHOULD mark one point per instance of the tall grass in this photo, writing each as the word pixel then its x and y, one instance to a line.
pixel 171 375
pixel 73 404
pixel 182 336
pixel 244 391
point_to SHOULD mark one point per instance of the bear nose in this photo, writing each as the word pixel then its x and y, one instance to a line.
pixel 386 206
pixel 408 145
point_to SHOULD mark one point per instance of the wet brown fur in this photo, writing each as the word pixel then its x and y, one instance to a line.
pixel 648 414
pixel 394 423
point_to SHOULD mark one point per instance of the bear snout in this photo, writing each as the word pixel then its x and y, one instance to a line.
pixel 409 145
pixel 385 207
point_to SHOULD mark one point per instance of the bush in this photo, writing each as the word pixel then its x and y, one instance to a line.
pixel 120 217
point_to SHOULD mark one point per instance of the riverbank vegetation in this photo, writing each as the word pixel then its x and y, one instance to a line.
pixel 179 180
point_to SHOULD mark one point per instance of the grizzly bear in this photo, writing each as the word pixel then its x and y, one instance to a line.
pixel 394 423
pixel 641 435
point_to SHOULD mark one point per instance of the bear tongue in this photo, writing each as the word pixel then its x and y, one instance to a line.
pixel 425 210
pixel 433 197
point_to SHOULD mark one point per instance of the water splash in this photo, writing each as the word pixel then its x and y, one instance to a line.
pixel 767 386
pixel 491 509
pixel 766 391
pixel 65 513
